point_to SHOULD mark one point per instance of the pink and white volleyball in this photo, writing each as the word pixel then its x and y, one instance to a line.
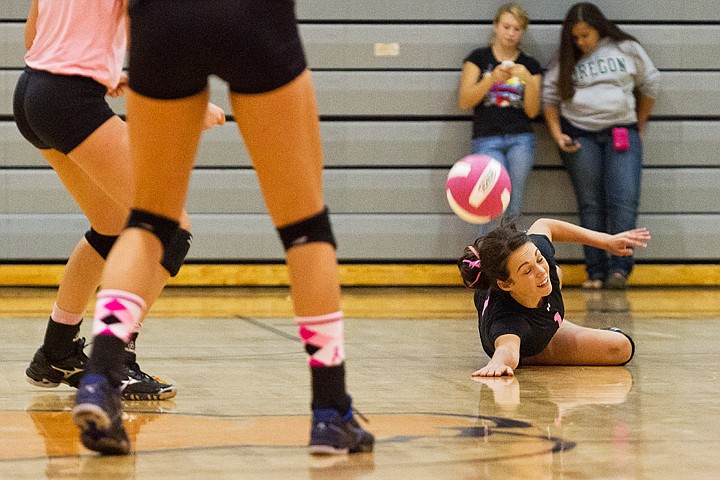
pixel 478 188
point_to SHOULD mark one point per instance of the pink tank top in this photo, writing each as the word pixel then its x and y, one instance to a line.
pixel 80 37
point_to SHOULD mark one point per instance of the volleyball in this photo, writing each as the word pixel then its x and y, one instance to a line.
pixel 478 188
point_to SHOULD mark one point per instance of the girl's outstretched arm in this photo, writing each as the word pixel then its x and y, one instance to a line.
pixel 505 359
pixel 621 244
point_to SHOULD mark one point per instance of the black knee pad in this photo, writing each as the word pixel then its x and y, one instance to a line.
pixel 162 227
pixel 314 229
pixel 101 243
pixel 176 252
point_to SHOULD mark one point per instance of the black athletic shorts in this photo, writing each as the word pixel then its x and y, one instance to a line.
pixel 253 45
pixel 58 111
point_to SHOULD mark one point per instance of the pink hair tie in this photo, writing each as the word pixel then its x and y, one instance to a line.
pixel 474 264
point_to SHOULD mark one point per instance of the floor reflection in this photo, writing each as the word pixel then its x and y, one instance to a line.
pixel 66 457
pixel 607 301
pixel 561 402
pixel 549 393
pixel 461 445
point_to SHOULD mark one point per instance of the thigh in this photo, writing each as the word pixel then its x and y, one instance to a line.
pixel 282 134
pixel 578 345
pixel 521 148
pixel 165 135
pixel 105 157
pixel 105 215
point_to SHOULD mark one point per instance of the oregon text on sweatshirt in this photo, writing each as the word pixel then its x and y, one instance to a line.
pixel 604 82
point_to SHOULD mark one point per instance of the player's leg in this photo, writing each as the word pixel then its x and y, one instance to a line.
pixel 289 168
pixel 105 156
pixel 61 358
pixel 98 174
pixel 578 345
pixel 281 132
pixel 106 216
pixel 68 118
pixel 152 246
pixel 162 175
pixel 62 349
pixel 164 135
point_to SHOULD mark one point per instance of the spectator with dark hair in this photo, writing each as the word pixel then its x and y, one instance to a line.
pixel 597 98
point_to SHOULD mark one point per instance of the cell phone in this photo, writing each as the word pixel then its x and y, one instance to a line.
pixel 621 140
pixel 570 143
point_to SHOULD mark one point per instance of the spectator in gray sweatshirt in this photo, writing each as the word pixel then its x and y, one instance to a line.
pixel 597 98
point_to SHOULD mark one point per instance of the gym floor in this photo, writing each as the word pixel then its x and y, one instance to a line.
pixel 243 392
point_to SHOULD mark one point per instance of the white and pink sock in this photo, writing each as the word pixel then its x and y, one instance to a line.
pixel 117 313
pixel 323 338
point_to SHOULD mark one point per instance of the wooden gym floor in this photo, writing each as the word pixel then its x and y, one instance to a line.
pixel 242 404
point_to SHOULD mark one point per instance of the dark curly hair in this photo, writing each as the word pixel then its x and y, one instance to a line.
pixel 485 261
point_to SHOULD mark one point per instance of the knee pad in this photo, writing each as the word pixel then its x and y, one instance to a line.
pixel 314 229
pixel 101 243
pixel 176 252
pixel 632 344
pixel 162 227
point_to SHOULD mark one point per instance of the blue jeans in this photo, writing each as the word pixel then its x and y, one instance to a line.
pixel 516 152
pixel 607 189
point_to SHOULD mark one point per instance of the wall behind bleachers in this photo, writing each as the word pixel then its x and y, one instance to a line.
pixel 392 128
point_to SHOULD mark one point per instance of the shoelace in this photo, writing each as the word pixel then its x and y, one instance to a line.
pixel 362 417
pixel 81 345
pixel 136 368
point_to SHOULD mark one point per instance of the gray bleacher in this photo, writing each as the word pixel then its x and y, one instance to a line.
pixel 391 130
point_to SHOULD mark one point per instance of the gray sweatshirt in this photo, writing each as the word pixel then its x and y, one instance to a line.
pixel 604 82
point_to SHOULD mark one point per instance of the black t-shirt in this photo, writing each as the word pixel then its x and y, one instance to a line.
pixel 499 313
pixel 502 110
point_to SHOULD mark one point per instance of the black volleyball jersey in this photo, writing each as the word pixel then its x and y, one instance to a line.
pixel 500 314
